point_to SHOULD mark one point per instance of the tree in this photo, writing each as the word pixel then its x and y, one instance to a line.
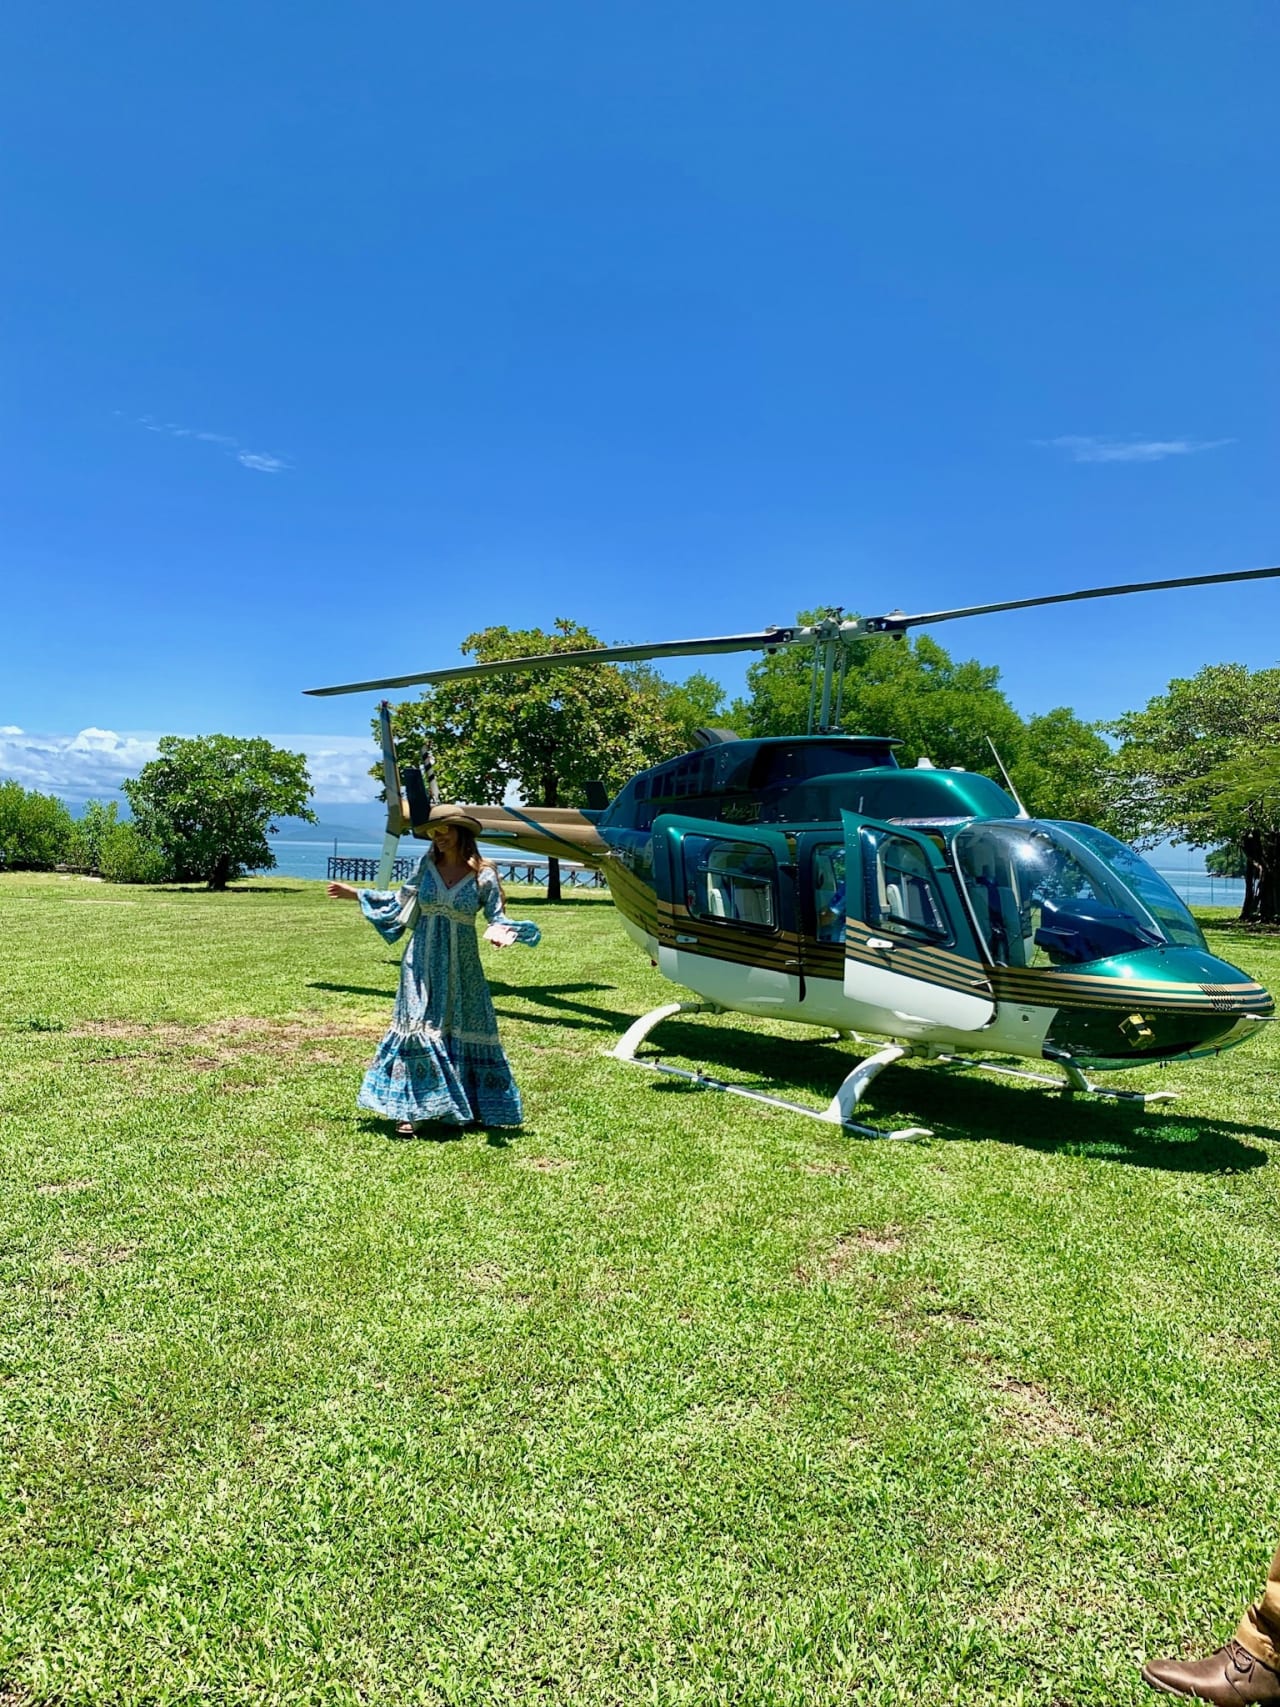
pixel 35 829
pixel 696 703
pixel 91 831
pixel 944 711
pixel 1201 765
pixel 1226 862
pixel 208 802
pixel 125 856
pixel 1061 769
pixel 546 734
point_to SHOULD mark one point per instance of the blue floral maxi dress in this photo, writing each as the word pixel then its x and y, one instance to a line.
pixel 441 1059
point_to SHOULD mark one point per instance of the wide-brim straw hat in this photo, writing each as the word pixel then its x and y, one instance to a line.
pixel 458 816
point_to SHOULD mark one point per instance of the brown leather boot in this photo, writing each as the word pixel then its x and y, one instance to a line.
pixel 1231 1678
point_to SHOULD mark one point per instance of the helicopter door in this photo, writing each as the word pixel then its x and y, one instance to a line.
pixel 727 912
pixel 909 948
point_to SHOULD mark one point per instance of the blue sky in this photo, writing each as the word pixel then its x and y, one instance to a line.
pixel 331 334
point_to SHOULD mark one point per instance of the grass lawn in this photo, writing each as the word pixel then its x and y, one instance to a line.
pixel 667 1398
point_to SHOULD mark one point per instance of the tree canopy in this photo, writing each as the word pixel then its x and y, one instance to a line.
pixel 35 828
pixel 547 733
pixel 207 802
pixel 1201 765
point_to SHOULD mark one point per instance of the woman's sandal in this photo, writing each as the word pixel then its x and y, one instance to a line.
pixel 406 1129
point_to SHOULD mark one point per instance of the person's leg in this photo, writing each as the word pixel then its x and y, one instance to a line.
pixel 1259 1629
pixel 1247 1670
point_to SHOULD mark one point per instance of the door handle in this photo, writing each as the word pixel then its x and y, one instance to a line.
pixel 880 942
pixel 681 938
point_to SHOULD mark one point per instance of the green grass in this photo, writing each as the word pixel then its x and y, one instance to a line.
pixel 668 1398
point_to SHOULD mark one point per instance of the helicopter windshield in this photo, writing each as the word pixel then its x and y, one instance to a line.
pixel 1044 895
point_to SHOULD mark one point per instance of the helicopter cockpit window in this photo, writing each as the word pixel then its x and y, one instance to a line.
pixel 1041 901
pixel 904 897
pixel 1163 903
pixel 731 881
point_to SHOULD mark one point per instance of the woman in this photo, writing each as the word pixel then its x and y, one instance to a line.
pixel 441 1059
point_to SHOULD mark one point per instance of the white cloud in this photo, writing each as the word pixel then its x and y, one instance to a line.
pixel 1086 447
pixel 92 763
pixel 95 741
pixel 262 462
pixel 338 765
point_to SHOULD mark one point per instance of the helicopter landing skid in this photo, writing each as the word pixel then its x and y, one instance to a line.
pixel 1073 1082
pixel 838 1111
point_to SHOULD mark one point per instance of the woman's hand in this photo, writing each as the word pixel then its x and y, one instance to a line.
pixel 342 892
pixel 501 936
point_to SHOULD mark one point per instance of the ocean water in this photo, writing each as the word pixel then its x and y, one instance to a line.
pixel 1199 889
pixel 311 859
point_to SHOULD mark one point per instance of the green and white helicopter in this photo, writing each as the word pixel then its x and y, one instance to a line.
pixel 811 879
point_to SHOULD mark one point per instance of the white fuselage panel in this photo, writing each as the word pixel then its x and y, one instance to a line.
pixel 908 1008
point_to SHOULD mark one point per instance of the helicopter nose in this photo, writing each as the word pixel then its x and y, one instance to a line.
pixel 1157 1005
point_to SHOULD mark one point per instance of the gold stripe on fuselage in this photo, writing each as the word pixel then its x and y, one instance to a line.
pixel 787 951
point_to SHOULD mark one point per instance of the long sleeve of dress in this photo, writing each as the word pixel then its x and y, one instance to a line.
pixel 389 910
pixel 495 914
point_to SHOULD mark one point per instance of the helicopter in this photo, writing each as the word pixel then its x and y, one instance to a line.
pixel 812 879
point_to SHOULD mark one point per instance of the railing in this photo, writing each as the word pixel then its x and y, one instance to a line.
pixel 346 870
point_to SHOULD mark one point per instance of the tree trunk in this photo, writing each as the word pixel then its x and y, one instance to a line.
pixel 551 797
pixel 221 872
pixel 1268 888
pixel 1261 879
pixel 1249 911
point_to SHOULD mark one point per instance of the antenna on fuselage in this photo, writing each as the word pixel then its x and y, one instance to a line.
pixel 1022 811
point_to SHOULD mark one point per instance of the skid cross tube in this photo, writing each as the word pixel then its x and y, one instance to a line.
pixel 1074 1080
pixel 838 1112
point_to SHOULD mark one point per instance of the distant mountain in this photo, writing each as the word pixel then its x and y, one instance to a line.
pixel 357 825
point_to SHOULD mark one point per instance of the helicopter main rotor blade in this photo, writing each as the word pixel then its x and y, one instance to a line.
pixel 897 622
pixel 830 631
pixel 592 655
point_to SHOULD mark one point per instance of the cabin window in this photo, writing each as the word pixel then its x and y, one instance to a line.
pixel 731 881
pixel 904 895
pixel 828 891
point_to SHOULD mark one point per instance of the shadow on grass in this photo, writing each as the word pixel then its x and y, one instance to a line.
pixel 553 996
pixel 238 887
pixel 967 1106
pixel 438 1132
pixel 557 998
pixel 1238 927
pixel 386 990
pixel 520 896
